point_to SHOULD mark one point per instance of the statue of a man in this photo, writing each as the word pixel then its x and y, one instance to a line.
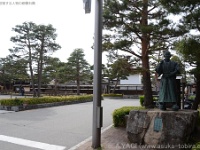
pixel 167 94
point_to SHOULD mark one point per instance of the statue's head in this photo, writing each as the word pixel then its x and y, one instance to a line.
pixel 167 55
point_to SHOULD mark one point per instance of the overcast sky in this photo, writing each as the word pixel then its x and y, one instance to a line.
pixel 75 29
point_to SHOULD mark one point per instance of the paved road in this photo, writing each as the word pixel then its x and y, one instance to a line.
pixel 55 128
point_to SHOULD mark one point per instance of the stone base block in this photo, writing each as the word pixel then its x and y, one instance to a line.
pixel 163 129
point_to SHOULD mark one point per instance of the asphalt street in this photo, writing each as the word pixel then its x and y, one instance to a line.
pixel 55 128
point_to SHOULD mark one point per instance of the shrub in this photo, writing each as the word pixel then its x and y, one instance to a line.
pixel 141 97
pixel 191 97
pixel 119 115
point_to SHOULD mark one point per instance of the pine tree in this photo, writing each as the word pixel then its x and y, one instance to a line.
pixel 78 69
pixel 33 43
pixel 137 27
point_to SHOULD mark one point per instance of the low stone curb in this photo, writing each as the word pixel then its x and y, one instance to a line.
pixel 36 106
pixel 111 97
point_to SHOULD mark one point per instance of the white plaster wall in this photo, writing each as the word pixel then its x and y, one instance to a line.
pixel 132 79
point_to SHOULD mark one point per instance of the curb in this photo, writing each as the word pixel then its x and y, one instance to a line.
pixel 37 106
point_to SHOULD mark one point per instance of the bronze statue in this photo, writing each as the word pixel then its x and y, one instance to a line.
pixel 167 94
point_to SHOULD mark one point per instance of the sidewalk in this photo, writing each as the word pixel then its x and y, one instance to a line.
pixel 112 139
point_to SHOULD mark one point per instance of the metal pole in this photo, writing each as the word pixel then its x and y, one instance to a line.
pixel 97 109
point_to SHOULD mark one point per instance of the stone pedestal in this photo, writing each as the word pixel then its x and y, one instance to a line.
pixel 161 129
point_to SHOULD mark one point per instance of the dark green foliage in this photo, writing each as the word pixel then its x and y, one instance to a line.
pixel 119 115
pixel 77 67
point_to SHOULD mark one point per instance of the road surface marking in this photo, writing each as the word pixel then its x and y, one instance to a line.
pixel 29 143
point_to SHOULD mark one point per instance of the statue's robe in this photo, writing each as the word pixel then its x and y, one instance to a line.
pixel 168 70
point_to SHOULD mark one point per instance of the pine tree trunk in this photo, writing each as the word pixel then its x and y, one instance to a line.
pixel 56 87
pixel 32 76
pixel 78 77
pixel 40 75
pixel 115 85
pixel 148 100
pixel 40 64
pixel 31 68
pixel 78 87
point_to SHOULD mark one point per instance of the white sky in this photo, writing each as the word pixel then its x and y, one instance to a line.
pixel 75 29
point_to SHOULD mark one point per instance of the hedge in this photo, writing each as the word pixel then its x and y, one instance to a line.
pixel 119 115
pixel 42 100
